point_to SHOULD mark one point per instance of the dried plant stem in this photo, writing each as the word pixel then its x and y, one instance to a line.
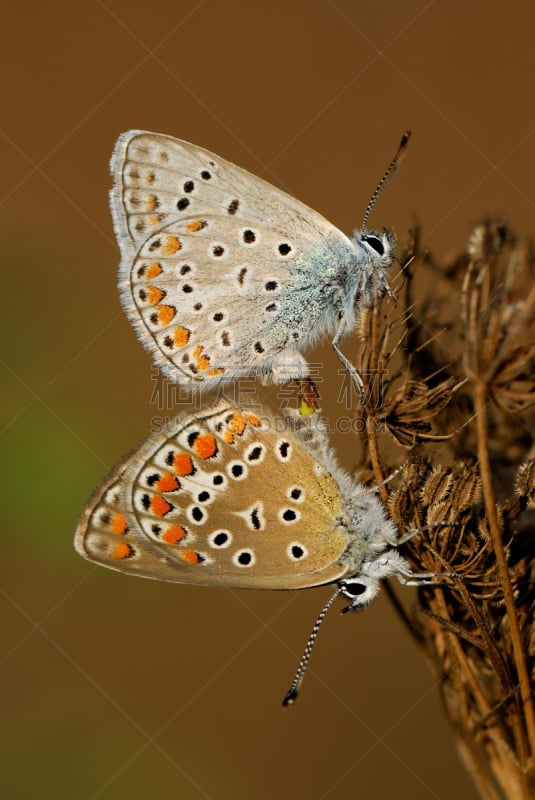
pixel 477 763
pixel 374 402
pixel 526 749
pixel 461 658
pixel 374 457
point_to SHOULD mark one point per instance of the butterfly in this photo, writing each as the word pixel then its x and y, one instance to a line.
pixel 235 496
pixel 222 274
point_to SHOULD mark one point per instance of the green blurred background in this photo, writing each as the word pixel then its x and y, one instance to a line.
pixel 121 688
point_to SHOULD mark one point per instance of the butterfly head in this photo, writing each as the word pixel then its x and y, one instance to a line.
pixel 363 587
pixel 375 252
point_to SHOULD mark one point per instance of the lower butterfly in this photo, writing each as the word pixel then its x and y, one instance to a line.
pixel 237 497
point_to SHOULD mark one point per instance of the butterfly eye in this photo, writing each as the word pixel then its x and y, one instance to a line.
pixel 354 589
pixel 375 243
pixel 360 592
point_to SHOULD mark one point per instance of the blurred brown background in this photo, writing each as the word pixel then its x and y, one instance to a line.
pixel 121 688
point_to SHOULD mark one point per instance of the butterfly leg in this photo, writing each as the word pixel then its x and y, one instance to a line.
pixel 409 578
pixel 423 579
pixel 351 369
pixel 392 563
pixel 407 536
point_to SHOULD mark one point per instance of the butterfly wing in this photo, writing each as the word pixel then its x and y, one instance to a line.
pixel 221 273
pixel 226 496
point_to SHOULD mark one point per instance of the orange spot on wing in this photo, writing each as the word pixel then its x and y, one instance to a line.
pixel 252 420
pixel 229 437
pixel 237 424
pixel 159 506
pixel 121 550
pixel 166 314
pixel 181 336
pixel 153 270
pixel 118 524
pixel 190 556
pixel 167 483
pixel 154 220
pixel 172 245
pixel 205 446
pixel 173 534
pixel 152 202
pixel 182 464
pixel 201 362
pixel 195 226
pixel 154 295
pixel 216 371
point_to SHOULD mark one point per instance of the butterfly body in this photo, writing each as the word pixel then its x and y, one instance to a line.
pixel 224 275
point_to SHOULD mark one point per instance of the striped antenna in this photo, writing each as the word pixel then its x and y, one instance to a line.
pixel 385 180
pixel 293 691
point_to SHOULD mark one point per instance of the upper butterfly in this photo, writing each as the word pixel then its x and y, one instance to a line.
pixel 224 275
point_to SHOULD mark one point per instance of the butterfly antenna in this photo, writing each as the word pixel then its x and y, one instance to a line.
pixel 293 691
pixel 387 177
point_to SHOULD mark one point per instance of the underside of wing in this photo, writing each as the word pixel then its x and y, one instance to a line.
pixel 221 272
pixel 224 497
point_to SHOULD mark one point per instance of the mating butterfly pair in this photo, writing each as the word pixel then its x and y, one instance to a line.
pixel 223 275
